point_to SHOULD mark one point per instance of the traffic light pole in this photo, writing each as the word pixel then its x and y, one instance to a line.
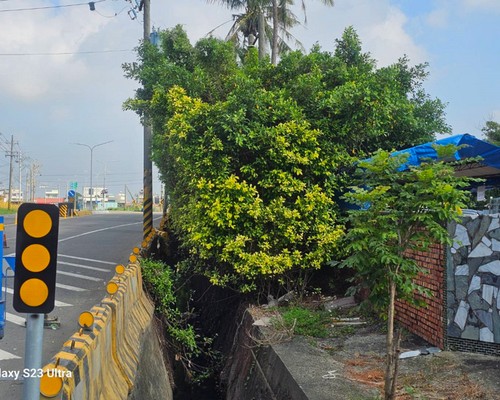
pixel 34 283
pixel 33 356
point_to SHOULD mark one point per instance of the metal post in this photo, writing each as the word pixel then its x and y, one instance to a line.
pixel 11 155
pixel 91 187
pixel 33 356
pixel 91 148
pixel 147 209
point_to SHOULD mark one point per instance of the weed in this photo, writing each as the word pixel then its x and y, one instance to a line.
pixel 160 280
pixel 307 322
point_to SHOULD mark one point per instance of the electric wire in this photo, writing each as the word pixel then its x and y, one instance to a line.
pixel 66 53
pixel 50 7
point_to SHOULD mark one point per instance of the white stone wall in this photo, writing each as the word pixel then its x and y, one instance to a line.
pixel 473 279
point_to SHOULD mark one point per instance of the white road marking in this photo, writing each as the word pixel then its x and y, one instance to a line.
pixel 56 303
pixel 87 259
pixel 84 266
pixel 72 288
pixel 98 230
pixel 15 319
pixel 7 356
pixel 89 278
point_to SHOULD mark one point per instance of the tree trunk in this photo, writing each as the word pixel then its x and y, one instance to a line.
pixel 262 35
pixel 392 347
pixel 274 50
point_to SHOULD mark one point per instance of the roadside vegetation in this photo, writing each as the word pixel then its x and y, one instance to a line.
pixel 4 208
pixel 186 345
pixel 259 162
pixel 254 156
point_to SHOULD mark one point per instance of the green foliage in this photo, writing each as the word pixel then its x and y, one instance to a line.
pixel 307 322
pixel 248 195
pixel 399 211
pixel 253 155
pixel 491 130
pixel 360 108
pixel 159 280
pixel 184 341
pixel 5 211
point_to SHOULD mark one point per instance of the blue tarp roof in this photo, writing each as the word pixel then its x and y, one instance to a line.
pixel 474 147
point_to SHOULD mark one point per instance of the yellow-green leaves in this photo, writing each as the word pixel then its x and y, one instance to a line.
pixel 252 197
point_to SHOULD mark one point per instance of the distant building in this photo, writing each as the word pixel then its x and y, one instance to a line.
pixel 51 197
pixel 16 197
pixel 100 198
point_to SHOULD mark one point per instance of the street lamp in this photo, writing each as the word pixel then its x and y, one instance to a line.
pixel 91 148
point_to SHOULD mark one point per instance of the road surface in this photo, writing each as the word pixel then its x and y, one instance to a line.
pixel 89 249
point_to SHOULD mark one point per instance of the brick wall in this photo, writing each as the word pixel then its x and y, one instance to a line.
pixel 427 322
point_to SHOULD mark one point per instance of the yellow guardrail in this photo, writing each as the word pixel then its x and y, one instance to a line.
pixel 100 361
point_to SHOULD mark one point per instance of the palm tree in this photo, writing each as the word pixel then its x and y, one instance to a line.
pixel 281 18
pixel 253 23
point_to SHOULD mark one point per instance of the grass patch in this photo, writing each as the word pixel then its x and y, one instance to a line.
pixel 4 210
pixel 307 322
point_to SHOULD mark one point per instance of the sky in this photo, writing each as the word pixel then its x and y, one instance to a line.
pixel 62 82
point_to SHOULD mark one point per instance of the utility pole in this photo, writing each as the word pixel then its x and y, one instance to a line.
pixel 147 208
pixel 34 171
pixel 11 155
pixel 20 161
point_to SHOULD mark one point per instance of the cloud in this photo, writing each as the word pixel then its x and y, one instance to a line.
pixel 25 74
pixel 381 28
pixel 388 39
pixel 439 18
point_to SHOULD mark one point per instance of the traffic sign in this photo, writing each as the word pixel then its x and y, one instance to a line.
pixel 36 258
pixel 71 193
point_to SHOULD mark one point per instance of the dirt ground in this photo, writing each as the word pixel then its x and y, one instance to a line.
pixel 358 357
pixel 445 375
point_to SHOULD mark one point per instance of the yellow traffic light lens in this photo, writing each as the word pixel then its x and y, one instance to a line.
pixel 37 223
pixel 34 292
pixel 35 258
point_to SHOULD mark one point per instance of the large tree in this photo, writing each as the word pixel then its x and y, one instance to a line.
pixel 491 130
pixel 359 107
pixel 253 156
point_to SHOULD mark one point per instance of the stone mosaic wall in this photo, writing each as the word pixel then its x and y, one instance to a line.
pixel 473 279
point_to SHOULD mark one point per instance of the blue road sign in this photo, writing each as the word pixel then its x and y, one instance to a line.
pixel 71 193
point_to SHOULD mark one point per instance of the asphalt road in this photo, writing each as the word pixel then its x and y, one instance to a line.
pixel 89 249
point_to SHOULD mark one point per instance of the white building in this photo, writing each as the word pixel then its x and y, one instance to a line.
pixel 99 197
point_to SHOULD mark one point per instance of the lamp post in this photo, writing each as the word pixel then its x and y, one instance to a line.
pixel 91 148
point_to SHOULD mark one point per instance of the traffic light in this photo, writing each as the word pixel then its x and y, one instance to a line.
pixel 36 258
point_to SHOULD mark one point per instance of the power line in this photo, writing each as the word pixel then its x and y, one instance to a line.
pixel 49 7
pixel 66 53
